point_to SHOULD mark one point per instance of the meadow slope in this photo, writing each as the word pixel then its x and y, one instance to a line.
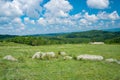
pixel 58 69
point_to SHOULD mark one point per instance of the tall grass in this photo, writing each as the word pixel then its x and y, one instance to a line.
pixel 58 69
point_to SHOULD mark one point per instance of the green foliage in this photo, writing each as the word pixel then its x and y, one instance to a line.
pixel 113 41
pixel 68 38
pixel 94 35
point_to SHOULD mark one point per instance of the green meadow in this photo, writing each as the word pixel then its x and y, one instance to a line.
pixel 58 69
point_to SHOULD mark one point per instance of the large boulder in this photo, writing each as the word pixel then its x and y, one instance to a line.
pixel 97 43
pixel 50 55
pixel 43 55
pixel 118 62
pixel 111 60
pixel 10 58
pixel 62 53
pixel 67 58
pixel 89 57
pixel 36 55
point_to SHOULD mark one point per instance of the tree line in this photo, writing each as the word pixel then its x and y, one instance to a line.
pixel 70 38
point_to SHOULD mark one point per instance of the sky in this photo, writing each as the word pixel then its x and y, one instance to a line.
pixel 25 17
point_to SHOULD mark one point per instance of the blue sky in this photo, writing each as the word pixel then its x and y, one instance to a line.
pixel 23 17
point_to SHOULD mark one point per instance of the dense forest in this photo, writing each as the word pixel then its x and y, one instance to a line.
pixel 65 38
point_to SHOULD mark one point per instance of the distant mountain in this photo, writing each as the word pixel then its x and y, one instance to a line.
pixel 83 32
pixel 7 36
pixel 93 34
pixel 112 30
pixel 48 35
pixel 63 38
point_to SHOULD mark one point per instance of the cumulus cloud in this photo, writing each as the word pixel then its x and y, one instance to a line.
pixel 9 9
pixel 108 16
pixel 57 14
pixel 98 4
pixel 17 23
pixel 12 10
pixel 14 26
pixel 60 8
pixel 17 8
pixel 53 16
pixel 79 21
pixel 28 21
pixel 42 21
pixel 114 15
pixel 4 20
pixel 30 8
pixel 83 21
pixel 92 17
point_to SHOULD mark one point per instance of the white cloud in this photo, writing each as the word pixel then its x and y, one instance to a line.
pixel 58 5
pixel 76 16
pixel 28 21
pixel 62 13
pixel 18 8
pixel 17 24
pixel 56 13
pixel 108 16
pixel 79 21
pixel 114 15
pixel 17 20
pixel 58 8
pixel 9 9
pixel 55 18
pixel 12 10
pixel 83 21
pixel 98 4
pixel 4 20
pixel 31 8
pixel 92 17
pixel 103 15
pixel 41 21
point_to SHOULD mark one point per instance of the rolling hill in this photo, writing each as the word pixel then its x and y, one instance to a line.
pixel 65 38
pixel 112 30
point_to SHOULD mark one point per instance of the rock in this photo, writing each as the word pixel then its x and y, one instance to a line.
pixel 10 58
pixel 97 43
pixel 89 57
pixel 118 62
pixel 62 53
pixel 37 55
pixel 67 58
pixel 110 60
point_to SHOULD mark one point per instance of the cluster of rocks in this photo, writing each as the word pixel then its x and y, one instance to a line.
pixel 50 55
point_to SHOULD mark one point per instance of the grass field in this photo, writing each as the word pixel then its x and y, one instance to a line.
pixel 58 69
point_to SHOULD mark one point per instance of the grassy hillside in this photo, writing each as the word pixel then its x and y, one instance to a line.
pixel 94 34
pixel 58 69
